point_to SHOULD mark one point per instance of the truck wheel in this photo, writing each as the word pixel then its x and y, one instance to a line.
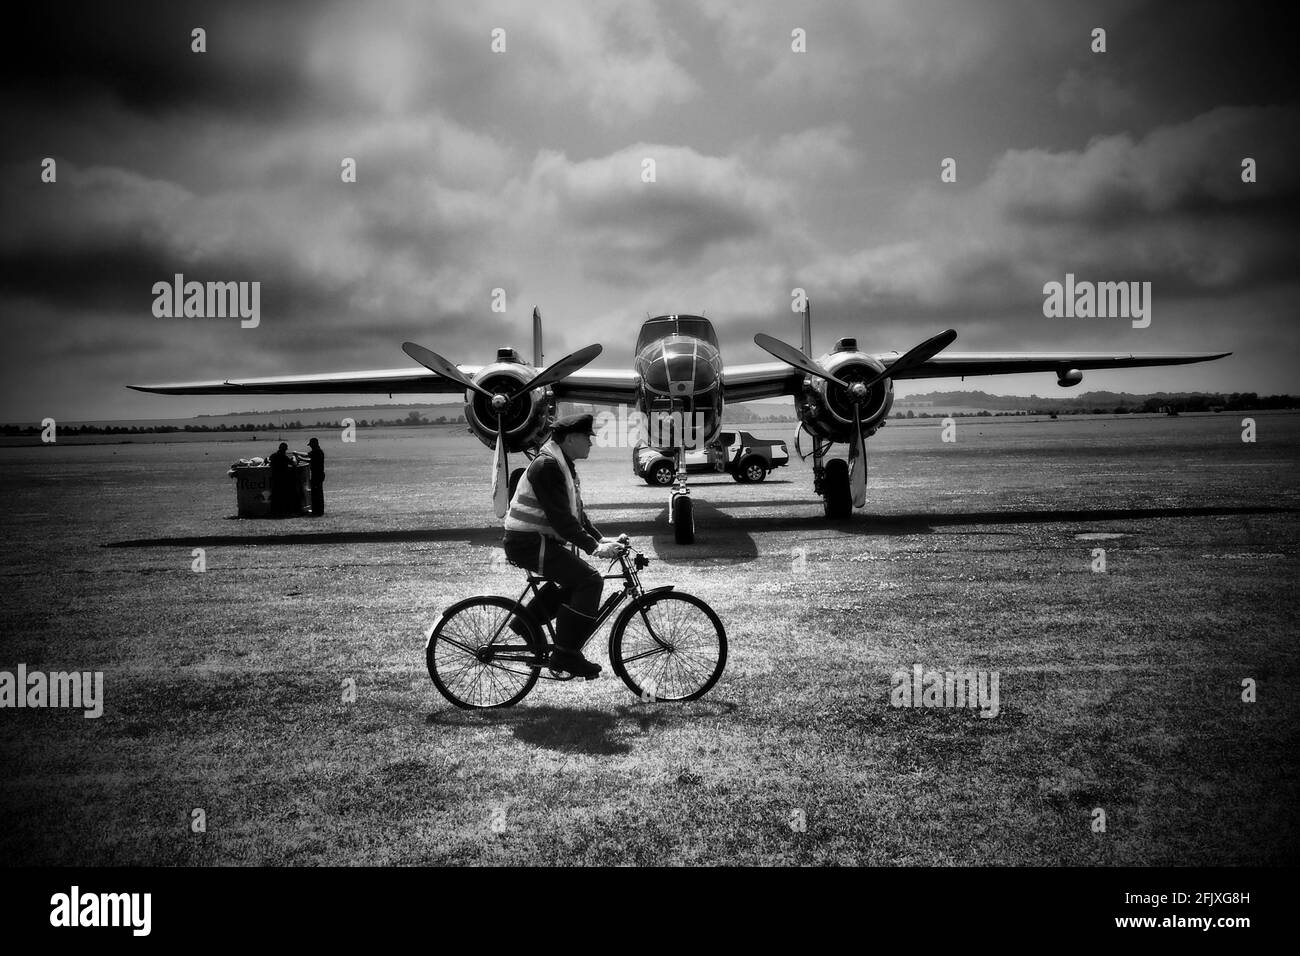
pixel 837 496
pixel 753 470
pixel 683 522
pixel 660 473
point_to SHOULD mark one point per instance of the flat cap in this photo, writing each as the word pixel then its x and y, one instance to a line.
pixel 573 424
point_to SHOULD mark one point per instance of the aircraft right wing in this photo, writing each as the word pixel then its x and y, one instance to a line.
pixel 613 386
pixel 608 386
pixel 390 381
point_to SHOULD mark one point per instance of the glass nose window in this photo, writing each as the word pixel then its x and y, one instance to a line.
pixel 680 366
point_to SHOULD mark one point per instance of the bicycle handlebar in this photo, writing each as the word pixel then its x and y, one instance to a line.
pixel 639 559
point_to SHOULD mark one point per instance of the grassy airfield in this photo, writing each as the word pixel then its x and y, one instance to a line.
pixel 1120 691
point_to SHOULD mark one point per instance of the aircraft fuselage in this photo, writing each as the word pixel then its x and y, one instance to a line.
pixel 679 374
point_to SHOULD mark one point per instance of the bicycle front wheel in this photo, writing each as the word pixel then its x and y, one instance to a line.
pixel 668 645
pixel 476 660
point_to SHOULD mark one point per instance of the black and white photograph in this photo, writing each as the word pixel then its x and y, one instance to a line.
pixel 651 434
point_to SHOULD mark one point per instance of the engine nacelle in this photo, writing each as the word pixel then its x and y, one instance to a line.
pixel 1066 377
pixel 826 409
pixel 523 419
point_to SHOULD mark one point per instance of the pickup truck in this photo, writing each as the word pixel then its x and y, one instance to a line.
pixel 739 454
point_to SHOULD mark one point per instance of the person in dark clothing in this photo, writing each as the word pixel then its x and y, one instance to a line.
pixel 545 516
pixel 282 497
pixel 317 459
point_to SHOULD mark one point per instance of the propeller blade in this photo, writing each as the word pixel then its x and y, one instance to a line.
pixel 918 355
pixel 792 356
pixel 436 363
pixel 500 482
pixel 858 463
pixel 538 357
pixel 563 368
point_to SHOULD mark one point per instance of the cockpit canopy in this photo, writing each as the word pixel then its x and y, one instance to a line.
pixel 662 326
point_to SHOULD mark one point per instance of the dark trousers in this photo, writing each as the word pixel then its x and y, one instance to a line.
pixel 318 497
pixel 570 580
pixel 279 495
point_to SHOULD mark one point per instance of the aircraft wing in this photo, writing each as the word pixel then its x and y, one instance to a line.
pixel 588 385
pixel 610 386
pixel 744 383
pixel 954 364
pixel 390 381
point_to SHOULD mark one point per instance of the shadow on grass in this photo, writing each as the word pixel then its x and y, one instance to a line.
pixel 585 730
pixel 716 527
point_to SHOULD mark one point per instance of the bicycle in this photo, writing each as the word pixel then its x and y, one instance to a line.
pixel 666 645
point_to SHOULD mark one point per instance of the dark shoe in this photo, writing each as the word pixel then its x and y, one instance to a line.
pixel 574 663
pixel 571 632
pixel 536 641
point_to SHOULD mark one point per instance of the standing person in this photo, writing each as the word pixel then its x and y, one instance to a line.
pixel 546 515
pixel 317 459
pixel 281 490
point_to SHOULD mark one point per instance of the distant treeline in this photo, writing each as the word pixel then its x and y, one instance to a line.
pixel 413 419
pixel 1088 403
pixel 1100 403
pixel 344 410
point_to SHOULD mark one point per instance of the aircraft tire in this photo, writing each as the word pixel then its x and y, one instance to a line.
pixel 837 496
pixel 683 521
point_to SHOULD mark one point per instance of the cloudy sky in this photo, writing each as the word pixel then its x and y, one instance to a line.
pixel 522 170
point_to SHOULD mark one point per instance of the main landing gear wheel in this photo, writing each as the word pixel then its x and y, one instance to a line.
pixel 683 522
pixel 837 496
pixel 476 660
pixel 670 645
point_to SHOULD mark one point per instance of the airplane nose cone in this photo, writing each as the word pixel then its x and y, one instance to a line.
pixel 679 366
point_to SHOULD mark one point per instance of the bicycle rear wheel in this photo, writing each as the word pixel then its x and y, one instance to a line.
pixel 670 645
pixel 476 660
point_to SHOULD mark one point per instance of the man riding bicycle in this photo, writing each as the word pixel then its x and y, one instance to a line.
pixel 546 515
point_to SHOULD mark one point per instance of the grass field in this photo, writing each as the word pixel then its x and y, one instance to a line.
pixel 1120 691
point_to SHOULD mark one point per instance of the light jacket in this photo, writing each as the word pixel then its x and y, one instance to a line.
pixel 548 501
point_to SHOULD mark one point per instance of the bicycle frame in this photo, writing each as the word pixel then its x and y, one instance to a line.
pixel 518 654
pixel 631 587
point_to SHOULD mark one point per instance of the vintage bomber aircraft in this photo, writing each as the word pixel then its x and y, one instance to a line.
pixel 842 397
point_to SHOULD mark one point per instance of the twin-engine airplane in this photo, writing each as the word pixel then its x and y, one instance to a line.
pixel 842 397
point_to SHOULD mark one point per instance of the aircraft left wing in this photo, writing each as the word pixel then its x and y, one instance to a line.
pixel 953 364
pixel 744 383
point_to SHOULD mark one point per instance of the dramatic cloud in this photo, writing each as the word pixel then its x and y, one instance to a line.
pixel 524 170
